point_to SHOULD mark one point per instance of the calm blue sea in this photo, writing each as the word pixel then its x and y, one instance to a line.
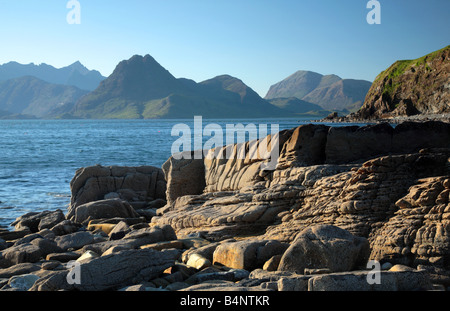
pixel 38 158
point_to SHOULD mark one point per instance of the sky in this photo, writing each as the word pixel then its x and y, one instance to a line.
pixel 260 42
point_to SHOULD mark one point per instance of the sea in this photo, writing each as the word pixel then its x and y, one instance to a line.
pixel 39 158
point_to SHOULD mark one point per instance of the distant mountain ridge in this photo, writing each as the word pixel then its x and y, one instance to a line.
pixel 330 92
pixel 32 97
pixel 141 88
pixel 73 75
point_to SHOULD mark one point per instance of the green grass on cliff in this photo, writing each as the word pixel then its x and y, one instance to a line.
pixel 400 67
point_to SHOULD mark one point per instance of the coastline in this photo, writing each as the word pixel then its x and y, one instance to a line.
pixel 442 117
pixel 196 225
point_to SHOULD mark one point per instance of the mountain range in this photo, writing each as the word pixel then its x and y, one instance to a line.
pixel 32 97
pixel 330 92
pixel 141 88
pixel 74 75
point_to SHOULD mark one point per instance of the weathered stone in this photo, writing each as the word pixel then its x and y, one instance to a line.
pixel 19 269
pixel 358 281
pixel 184 176
pixel 27 252
pixel 14 235
pixel 325 246
pixel 248 255
pixel 54 281
pixel 50 220
pixel 105 228
pixel 65 227
pixel 360 200
pixel 417 234
pixel 3 244
pixel 198 262
pixel 136 239
pixel 221 286
pixel 234 167
pixel 305 147
pixel 32 221
pixel 75 240
pixel 353 143
pixel 23 282
pixel 124 268
pixel 293 283
pixel 102 209
pixel 115 249
pixel 132 184
pixel 88 255
pixel 272 263
pixel 410 137
pixel 63 257
pixel 164 245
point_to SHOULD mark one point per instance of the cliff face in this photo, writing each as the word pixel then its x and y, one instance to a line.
pixel 410 87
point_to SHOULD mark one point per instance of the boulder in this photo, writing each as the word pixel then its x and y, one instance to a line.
pixel 361 281
pixel 19 269
pixel 36 221
pixel 50 220
pixel 65 227
pixel 23 282
pixel 184 175
pixel 102 209
pixel 124 268
pixel 136 239
pixel 31 252
pixel 136 185
pixel 247 254
pixel 198 262
pixel 53 281
pixel 325 246
pixel 119 231
pixel 293 283
pixel 75 240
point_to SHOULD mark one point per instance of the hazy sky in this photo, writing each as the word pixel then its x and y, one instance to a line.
pixel 259 41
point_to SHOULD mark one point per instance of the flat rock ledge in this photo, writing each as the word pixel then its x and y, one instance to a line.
pixel 345 209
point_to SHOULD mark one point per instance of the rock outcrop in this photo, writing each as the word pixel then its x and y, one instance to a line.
pixel 321 171
pixel 410 87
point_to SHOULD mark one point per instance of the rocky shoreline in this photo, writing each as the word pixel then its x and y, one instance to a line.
pixel 439 117
pixel 347 208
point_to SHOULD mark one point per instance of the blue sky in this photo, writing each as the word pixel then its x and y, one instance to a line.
pixel 258 41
